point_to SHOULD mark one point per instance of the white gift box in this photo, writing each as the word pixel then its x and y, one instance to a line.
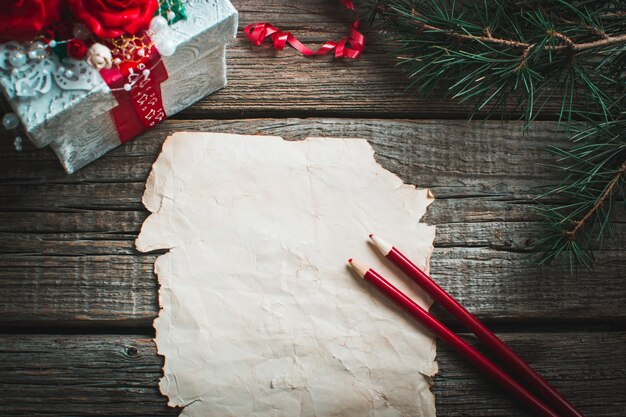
pixel 72 111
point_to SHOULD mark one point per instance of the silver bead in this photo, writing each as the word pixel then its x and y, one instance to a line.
pixel 165 46
pixel 37 50
pixel 17 58
pixel 127 87
pixel 69 73
pixel 158 24
pixel 52 43
pixel 18 143
pixel 37 45
pixel 146 73
pixel 10 121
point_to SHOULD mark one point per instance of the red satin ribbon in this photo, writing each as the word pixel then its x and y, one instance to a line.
pixel 259 32
pixel 141 108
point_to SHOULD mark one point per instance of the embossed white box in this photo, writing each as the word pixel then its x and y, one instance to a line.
pixel 77 123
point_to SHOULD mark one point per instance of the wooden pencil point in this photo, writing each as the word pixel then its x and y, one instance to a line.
pixel 381 245
pixel 358 267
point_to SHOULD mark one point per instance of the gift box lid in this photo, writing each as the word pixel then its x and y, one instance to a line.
pixel 48 92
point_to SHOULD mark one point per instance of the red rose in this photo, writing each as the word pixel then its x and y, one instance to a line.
pixel 22 20
pixel 76 49
pixel 112 18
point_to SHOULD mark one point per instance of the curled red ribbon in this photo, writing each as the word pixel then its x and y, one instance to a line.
pixel 259 32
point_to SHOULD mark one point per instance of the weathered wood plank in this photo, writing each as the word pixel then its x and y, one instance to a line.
pixel 121 290
pixel 454 158
pixel 105 232
pixel 66 242
pixel 111 375
pixel 263 82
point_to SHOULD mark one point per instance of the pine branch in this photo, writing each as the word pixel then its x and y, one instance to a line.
pixel 525 50
pixel 570 45
pixel 522 55
pixel 580 224
pixel 594 171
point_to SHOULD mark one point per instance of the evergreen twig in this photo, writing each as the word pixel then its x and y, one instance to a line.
pixel 522 55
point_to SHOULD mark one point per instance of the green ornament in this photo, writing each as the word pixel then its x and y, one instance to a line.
pixel 172 10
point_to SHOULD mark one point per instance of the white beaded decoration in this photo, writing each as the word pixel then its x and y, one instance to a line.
pixel 37 50
pixel 158 24
pixel 165 46
pixel 18 143
pixel 17 58
pixel 10 121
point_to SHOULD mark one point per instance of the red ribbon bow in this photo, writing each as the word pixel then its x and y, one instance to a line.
pixel 259 32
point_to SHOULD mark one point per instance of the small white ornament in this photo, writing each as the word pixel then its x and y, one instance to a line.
pixel 170 15
pixel 18 143
pixel 127 87
pixel 141 52
pixel 146 73
pixel 10 121
pixel 165 46
pixel 17 58
pixel 158 24
pixel 37 50
pixel 99 56
pixel 52 43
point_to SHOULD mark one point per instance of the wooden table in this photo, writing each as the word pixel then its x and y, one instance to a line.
pixel 77 300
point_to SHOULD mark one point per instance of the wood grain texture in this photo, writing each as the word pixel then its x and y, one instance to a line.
pixel 264 82
pixel 67 256
pixel 66 242
pixel 110 375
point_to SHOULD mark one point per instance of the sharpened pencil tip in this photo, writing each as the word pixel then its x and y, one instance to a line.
pixel 381 245
pixel 358 267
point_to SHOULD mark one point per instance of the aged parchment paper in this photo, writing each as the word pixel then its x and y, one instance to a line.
pixel 259 314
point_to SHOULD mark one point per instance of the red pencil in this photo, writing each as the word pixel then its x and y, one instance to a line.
pixel 535 380
pixel 452 339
